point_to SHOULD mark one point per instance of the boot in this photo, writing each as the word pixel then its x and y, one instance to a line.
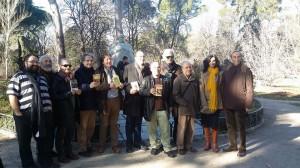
pixel 215 147
pixel 207 139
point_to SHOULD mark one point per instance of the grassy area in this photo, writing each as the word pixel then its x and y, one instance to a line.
pixel 4 104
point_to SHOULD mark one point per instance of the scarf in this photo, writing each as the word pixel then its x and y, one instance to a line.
pixel 212 89
pixel 37 115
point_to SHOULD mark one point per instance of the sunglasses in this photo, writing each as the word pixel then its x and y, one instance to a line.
pixel 169 57
pixel 67 65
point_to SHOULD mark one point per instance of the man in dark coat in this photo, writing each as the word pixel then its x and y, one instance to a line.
pixel 47 71
pixel 133 102
pixel 88 103
pixel 237 95
pixel 186 92
pixel 63 103
pixel 173 71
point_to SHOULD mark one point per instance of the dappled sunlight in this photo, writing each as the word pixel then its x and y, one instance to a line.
pixel 296 140
pixel 288 118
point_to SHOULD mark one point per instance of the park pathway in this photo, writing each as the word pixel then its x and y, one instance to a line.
pixel 274 145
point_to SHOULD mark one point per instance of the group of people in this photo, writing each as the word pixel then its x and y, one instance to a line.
pixel 48 105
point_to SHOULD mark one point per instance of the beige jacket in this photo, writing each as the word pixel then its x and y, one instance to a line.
pixel 205 94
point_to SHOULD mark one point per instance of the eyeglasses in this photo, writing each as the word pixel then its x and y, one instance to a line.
pixel 169 57
pixel 33 62
pixel 67 65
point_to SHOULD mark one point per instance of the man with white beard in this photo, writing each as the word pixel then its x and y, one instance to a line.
pixel 157 93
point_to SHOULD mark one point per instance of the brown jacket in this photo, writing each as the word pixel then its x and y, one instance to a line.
pixel 205 94
pixel 186 93
pixel 237 87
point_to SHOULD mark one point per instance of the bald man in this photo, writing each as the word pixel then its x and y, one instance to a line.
pixel 186 93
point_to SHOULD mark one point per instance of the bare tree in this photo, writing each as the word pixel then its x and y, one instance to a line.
pixel 137 18
pixel 93 20
pixel 12 13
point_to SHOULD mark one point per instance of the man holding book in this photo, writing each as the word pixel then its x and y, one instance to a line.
pixel 63 103
pixel 88 103
pixel 157 94
pixel 133 102
pixel 110 100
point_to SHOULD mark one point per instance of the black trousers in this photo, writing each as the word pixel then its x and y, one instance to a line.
pixel 133 131
pixel 236 121
pixel 64 133
pixel 25 132
pixel 174 133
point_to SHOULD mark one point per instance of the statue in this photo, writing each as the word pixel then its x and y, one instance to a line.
pixel 120 49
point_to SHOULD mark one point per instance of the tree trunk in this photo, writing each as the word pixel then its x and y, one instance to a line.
pixel 6 48
pixel 118 18
pixel 60 41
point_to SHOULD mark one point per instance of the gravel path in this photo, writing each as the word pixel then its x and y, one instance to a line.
pixel 274 145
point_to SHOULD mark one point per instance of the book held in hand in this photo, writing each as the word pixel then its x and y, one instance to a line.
pixel 135 85
pixel 73 84
pixel 96 77
pixel 158 89
pixel 116 80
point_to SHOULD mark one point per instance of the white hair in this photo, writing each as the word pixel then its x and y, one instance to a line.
pixel 44 57
pixel 186 63
pixel 139 54
pixel 154 64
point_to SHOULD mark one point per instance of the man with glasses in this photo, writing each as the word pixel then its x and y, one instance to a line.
pixel 173 71
pixel 62 96
pixel 88 103
pixel 30 100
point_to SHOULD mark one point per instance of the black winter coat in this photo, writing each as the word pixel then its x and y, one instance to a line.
pixel 63 100
pixel 84 77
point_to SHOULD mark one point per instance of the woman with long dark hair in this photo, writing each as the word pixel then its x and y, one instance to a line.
pixel 211 101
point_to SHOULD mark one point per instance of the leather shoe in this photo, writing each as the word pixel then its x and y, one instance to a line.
pixel 171 154
pixel 241 153
pixel 155 151
pixel 72 156
pixel 85 153
pixel 129 150
pixel 181 151
pixel 63 159
pixel 116 149
pixel 193 150
pixel 230 149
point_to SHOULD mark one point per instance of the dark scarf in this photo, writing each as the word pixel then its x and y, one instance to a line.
pixel 37 115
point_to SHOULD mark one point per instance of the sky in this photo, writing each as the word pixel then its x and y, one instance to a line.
pixel 212 13
pixel 208 20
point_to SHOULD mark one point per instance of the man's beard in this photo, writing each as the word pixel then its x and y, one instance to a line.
pixel 47 68
pixel 32 69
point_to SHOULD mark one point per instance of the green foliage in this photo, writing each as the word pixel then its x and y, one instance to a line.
pixel 4 104
pixel 172 20
pixel 138 15
pixel 72 44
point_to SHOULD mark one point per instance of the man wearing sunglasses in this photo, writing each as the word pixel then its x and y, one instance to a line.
pixel 173 71
pixel 62 96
